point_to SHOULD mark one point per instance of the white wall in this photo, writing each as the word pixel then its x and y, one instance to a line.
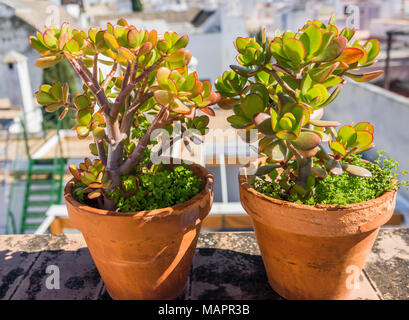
pixel 206 48
pixel 216 51
pixel 232 27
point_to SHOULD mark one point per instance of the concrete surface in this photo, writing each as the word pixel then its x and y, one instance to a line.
pixel 226 266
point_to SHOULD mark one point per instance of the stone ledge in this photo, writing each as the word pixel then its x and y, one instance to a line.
pixel 227 265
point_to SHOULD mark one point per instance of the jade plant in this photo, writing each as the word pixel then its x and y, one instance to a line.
pixel 148 87
pixel 281 86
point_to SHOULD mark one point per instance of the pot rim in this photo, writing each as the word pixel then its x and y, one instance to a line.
pixel 244 183
pixel 177 209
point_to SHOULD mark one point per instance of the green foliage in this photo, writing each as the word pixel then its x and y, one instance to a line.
pixel 341 189
pixel 160 62
pixel 78 191
pixel 149 87
pixel 155 190
pixel 281 86
pixel 92 174
pixel 62 72
pixel 137 5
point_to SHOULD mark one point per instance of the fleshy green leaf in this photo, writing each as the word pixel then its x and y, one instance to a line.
pixel 47 62
pixel 347 135
pixel 238 121
pixel 276 151
pixel 251 105
pixel 333 50
pixel 338 148
pixel 307 141
pixel 294 50
pixel 263 122
pixel 364 126
pixel 263 170
pixel 364 77
pixel 372 47
pixel 84 116
pixel 324 123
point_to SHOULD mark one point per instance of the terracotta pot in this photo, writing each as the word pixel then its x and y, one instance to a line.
pixel 146 254
pixel 314 252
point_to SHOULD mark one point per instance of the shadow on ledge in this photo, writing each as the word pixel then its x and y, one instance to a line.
pixel 71 274
pixel 216 274
pixel 219 274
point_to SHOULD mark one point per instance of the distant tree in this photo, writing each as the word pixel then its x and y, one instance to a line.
pixel 137 5
pixel 63 73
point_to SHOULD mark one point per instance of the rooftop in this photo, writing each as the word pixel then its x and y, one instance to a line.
pixel 37 12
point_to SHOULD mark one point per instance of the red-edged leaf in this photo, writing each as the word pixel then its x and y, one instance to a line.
pixel 163 97
pixel 208 111
pixel 338 148
pixel 364 77
pixel 351 55
pixel 94 194
pixel 364 126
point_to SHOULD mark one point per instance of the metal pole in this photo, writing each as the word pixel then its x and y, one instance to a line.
pixel 387 62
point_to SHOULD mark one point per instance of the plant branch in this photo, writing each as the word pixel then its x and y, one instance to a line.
pixel 304 171
pixel 124 93
pixel 136 155
pixel 148 71
pixel 294 151
pixel 88 80
pixel 101 151
pixel 140 98
pixel 282 83
pixel 304 166
pixel 109 76
pixel 128 86
pixel 95 67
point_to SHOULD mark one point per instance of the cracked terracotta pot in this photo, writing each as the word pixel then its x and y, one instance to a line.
pixel 314 252
pixel 145 254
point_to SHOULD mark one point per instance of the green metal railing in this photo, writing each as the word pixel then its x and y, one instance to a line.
pixel 43 186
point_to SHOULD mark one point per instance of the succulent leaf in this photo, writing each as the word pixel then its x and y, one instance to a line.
pixel 307 141
pixel 263 170
pixel 357 171
pixel 251 105
pixel 294 50
pixel 334 49
pixel 263 122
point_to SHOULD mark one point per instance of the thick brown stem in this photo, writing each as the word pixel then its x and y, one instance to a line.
pixel 108 203
pixel 304 171
pixel 140 98
pixel 101 152
pixel 136 155
pixel 114 158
